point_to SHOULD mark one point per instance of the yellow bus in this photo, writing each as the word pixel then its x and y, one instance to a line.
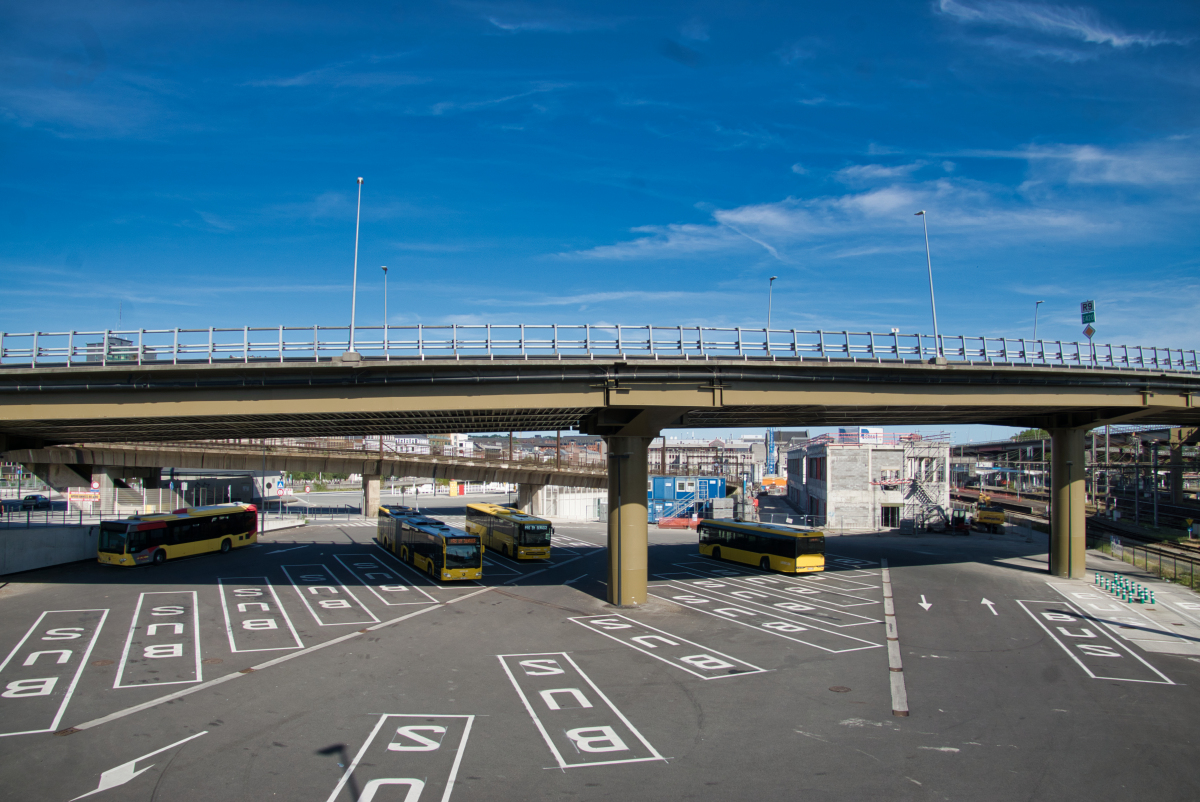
pixel 772 547
pixel 513 534
pixel 429 545
pixel 157 538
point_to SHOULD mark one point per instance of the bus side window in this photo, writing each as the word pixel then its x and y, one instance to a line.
pixel 154 537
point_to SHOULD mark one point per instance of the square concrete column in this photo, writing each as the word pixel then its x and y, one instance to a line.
pixel 529 498
pixel 1068 515
pixel 370 487
pixel 627 520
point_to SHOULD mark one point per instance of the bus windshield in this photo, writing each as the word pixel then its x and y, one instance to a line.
pixel 535 535
pixel 462 556
pixel 112 538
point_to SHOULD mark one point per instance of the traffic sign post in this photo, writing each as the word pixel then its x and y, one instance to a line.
pixel 1087 311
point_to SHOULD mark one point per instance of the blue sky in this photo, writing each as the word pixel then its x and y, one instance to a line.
pixel 195 164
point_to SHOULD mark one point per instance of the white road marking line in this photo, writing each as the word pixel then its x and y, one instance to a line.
pixel 87 725
pixel 293 548
pixel 895 666
pixel 123 773
pixel 556 565
pixel 576 579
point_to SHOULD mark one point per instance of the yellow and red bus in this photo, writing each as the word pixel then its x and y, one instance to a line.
pixel 430 545
pixel 155 539
pixel 513 534
pixel 771 547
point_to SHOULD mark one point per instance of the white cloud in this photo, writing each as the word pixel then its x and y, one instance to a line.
pixel 695 30
pixel 1074 23
pixel 799 169
pixel 876 172
pixel 869 221
pixel 358 73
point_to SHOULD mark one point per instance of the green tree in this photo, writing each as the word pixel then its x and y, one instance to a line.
pixel 1031 434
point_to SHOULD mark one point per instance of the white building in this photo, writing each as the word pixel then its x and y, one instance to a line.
pixel 846 483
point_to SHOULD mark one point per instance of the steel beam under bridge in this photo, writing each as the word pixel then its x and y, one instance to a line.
pixel 623 399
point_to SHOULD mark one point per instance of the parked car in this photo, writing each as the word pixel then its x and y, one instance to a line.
pixel 35 502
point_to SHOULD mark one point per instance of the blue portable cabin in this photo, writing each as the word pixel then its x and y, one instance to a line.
pixel 679 496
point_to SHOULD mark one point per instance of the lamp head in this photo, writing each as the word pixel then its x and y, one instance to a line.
pixel 1035 303
pixel 360 179
pixel 774 277
pixel 915 215
pixel 384 269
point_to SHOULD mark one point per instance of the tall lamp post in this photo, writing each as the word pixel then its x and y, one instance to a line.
pixel 385 317
pixel 351 354
pixel 937 341
pixel 1036 304
pixel 770 297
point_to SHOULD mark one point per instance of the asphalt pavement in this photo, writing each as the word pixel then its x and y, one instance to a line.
pixel 316 667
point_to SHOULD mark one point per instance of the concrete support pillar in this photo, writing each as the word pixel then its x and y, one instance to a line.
pixel 370 487
pixel 1068 519
pixel 108 490
pixel 627 536
pixel 529 498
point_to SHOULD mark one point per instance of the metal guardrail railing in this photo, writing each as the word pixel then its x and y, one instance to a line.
pixel 517 341
pixel 27 519
pixel 1169 565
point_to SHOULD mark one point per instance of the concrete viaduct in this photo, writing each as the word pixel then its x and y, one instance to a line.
pixel 626 399
pixel 75 466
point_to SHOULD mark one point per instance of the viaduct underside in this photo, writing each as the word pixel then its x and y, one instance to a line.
pixel 627 402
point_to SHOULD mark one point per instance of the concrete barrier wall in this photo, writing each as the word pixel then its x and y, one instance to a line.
pixel 43 546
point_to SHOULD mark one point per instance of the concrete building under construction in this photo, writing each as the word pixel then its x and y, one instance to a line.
pixel 869 479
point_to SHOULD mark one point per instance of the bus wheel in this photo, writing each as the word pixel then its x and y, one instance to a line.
pixel 160 557
pixel 765 564
pixel 226 545
pixel 716 553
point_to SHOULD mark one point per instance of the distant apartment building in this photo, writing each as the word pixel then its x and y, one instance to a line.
pixel 868 479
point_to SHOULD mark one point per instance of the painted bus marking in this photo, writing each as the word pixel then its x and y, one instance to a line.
pixel 333 599
pixel 36 683
pixel 426 752
pixel 1071 629
pixel 155 654
pixel 559 698
pixel 699 661
pixel 382 581
pixel 253 624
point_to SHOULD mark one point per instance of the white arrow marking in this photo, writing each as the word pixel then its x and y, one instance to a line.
pixel 924 603
pixel 991 606
pixel 125 772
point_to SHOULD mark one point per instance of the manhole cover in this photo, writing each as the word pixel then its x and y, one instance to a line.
pixel 840 689
pixel 102 662
pixel 212 661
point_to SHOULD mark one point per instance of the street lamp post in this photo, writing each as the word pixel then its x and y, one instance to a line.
pixel 385 317
pixel 351 354
pixel 1036 304
pixel 770 298
pixel 937 341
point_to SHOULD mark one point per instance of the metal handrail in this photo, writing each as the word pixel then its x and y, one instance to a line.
pixel 557 341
